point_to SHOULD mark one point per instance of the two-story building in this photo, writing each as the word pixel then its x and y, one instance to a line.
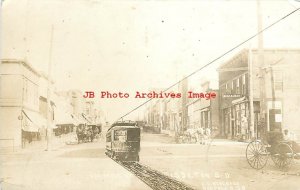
pixel 19 103
pixel 274 85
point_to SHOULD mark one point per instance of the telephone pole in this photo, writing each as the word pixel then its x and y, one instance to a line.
pixel 261 67
pixel 250 82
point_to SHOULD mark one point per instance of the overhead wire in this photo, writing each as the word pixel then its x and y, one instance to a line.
pixel 214 60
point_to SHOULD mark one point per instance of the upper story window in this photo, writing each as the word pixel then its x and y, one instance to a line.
pixel 278 80
pixel 233 86
pixel 238 86
pixel 25 90
pixel 244 84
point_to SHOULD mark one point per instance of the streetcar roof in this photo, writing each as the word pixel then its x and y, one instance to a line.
pixel 125 127
pixel 123 124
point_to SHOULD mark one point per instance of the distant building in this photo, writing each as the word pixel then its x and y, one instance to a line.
pixel 182 105
pixel 154 111
pixel 170 115
pixel 205 112
pixel 171 118
pixel 63 110
pixel 84 111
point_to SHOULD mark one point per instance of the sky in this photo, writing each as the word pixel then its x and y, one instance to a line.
pixel 128 46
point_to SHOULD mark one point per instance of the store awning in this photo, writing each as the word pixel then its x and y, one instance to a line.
pixel 33 121
pixel 85 117
pixel 204 109
pixel 63 118
pixel 79 120
pixel 239 100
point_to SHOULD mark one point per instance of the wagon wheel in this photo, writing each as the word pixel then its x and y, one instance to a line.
pixel 256 154
pixel 283 155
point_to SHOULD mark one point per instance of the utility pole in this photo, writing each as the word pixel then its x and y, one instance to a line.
pixel 49 128
pixel 250 82
pixel 261 67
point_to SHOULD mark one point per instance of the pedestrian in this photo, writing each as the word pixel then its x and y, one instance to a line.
pixel 91 134
pixel 96 133
pixel 207 135
pixel 79 133
pixel 288 137
pixel 201 135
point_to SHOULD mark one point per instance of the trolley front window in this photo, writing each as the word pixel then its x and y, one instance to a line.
pixel 120 135
pixel 133 135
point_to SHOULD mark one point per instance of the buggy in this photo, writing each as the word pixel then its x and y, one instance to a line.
pixel 272 145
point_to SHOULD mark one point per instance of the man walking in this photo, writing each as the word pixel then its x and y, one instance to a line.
pixel 207 135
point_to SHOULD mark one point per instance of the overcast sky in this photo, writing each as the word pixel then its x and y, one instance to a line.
pixel 132 46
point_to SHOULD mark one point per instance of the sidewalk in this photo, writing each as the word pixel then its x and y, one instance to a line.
pixel 148 140
pixel 227 142
pixel 56 142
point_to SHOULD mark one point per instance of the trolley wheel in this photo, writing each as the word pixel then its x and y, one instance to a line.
pixel 256 154
pixel 283 155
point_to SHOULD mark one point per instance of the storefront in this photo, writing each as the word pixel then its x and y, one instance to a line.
pixel 33 126
pixel 205 118
pixel 236 119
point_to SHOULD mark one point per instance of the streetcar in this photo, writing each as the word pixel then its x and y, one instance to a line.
pixel 123 141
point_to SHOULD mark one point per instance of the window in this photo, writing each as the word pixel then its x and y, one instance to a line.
pixel 108 137
pixel 233 86
pixel 244 84
pixel 238 86
pixel 25 90
pixel 226 89
pixel 120 136
pixel 278 80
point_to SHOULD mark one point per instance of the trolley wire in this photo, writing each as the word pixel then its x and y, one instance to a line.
pixel 214 60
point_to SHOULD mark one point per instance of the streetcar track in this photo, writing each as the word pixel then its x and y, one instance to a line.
pixel 153 178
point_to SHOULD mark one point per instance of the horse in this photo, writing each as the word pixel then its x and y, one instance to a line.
pixel 191 134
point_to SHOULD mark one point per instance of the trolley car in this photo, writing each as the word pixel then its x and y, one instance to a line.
pixel 123 141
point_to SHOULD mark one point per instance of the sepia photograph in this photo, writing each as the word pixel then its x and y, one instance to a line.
pixel 150 94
